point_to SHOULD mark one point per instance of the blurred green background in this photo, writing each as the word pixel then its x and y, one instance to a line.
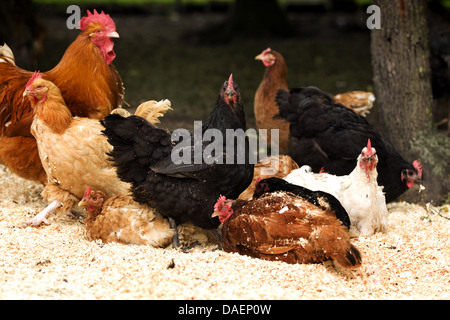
pixel 180 50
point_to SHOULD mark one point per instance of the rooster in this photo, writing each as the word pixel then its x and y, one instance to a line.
pixel 280 226
pixel 89 83
pixel 358 192
pixel 72 149
pixel 274 79
pixel 325 134
pixel 121 219
pixel 182 192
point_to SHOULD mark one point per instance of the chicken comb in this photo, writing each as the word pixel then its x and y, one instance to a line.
pixel 219 203
pixel 418 166
pixel 230 82
pixel 369 148
pixel 102 18
pixel 87 192
pixel 36 75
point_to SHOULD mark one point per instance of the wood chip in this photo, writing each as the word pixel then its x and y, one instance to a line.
pixel 410 261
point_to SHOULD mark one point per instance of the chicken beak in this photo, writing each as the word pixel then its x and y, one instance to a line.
pixel 259 57
pixel 215 214
pixel 82 203
pixel 113 34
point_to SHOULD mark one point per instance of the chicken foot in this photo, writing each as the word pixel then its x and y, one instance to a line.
pixel 41 217
pixel 175 239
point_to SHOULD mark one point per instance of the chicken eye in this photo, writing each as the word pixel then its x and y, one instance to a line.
pixel 94 198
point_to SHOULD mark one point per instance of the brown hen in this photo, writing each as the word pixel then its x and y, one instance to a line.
pixel 281 226
pixel 121 219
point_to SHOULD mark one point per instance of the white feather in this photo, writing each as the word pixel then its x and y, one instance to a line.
pixel 358 193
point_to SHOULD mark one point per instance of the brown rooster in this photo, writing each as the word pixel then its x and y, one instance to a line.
pixel 121 219
pixel 89 83
pixel 275 78
pixel 280 226
pixel 273 166
pixel 73 150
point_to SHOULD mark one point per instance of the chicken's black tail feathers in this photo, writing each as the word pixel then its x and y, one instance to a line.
pixel 136 145
pixel 291 104
pixel 350 259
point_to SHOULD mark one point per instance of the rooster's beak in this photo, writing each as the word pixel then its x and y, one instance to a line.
pixel 259 57
pixel 113 34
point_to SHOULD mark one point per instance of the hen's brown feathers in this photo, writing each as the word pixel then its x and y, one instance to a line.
pixel 283 227
pixel 121 219
pixel 265 107
pixel 359 101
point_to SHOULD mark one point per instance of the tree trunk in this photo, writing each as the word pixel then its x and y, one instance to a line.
pixel 402 80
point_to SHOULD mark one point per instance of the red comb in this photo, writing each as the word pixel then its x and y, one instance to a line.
pixel 219 202
pixel 230 82
pixel 369 148
pixel 258 180
pixel 36 75
pixel 102 18
pixel 418 166
pixel 87 192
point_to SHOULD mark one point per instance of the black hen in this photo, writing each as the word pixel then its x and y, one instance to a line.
pixel 326 134
pixel 317 198
pixel 184 191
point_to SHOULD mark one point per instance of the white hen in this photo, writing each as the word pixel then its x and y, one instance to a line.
pixel 358 192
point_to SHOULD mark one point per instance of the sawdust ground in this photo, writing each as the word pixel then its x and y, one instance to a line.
pixel 410 261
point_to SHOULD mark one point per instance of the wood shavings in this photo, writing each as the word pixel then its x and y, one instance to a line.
pixel 410 261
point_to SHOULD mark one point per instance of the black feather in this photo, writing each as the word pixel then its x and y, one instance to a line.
pixel 326 134
pixel 183 192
